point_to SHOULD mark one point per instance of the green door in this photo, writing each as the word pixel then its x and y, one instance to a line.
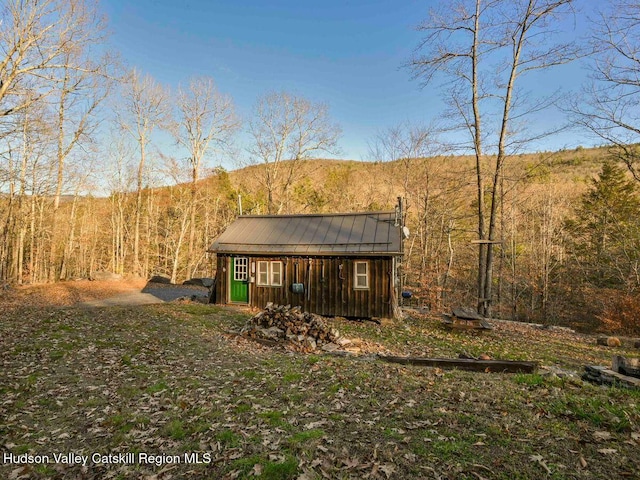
pixel 239 276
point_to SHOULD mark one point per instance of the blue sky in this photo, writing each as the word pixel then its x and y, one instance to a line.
pixel 347 53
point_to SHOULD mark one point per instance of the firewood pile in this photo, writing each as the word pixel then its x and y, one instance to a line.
pixel 304 332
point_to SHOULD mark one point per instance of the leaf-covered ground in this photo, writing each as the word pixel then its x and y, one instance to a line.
pixel 169 381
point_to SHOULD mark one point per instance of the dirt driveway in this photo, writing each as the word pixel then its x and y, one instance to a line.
pixel 151 293
pixel 128 292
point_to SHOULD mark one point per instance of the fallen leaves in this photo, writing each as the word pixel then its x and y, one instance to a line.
pixel 160 380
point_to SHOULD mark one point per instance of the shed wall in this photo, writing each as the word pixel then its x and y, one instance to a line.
pixel 328 285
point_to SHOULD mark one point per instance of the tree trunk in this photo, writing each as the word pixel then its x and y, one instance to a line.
pixel 137 268
pixel 477 143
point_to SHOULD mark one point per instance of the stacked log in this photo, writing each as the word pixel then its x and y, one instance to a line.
pixel 303 331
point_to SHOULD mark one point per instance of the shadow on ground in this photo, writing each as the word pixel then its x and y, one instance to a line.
pixel 169 293
pixel 150 294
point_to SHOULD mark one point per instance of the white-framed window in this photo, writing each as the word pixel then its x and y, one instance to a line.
pixel 269 274
pixel 276 274
pixel 240 269
pixel 263 273
pixel 360 275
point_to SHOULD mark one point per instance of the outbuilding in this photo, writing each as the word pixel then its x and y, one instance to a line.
pixel 342 264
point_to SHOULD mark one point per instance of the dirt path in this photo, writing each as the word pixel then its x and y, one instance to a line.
pixel 150 294
pixel 128 292
pixel 124 299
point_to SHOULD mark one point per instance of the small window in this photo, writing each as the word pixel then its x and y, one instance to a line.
pixel 240 269
pixel 361 275
pixel 276 274
pixel 263 273
pixel 270 274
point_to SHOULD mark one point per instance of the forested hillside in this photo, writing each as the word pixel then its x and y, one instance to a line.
pixel 552 265
pixel 105 168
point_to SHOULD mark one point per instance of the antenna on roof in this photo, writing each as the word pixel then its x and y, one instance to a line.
pixel 240 204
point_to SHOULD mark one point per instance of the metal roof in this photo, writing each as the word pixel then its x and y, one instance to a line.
pixel 367 233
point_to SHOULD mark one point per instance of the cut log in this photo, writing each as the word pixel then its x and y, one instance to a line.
pixel 609 341
pixel 497 366
pixel 626 366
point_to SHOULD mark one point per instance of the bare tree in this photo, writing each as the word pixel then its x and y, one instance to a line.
pixel 79 96
pixel 145 109
pixel 407 147
pixel 121 179
pixel 287 130
pixel 482 48
pixel 20 156
pixel 45 65
pixel 205 123
pixel 608 105
pixel 37 37
pixel 405 144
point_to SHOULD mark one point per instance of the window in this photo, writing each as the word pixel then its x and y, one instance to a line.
pixel 276 274
pixel 270 274
pixel 240 269
pixel 361 275
pixel 263 273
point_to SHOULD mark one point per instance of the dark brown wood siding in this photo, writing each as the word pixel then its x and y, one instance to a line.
pixel 222 279
pixel 328 286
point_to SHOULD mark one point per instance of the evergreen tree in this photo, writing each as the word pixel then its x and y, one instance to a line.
pixel 606 230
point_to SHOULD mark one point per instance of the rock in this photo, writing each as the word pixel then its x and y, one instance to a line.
pixel 557 328
pixel 199 282
pixel 160 279
pixel 626 366
pixel 554 372
pixel 484 356
pixel 604 376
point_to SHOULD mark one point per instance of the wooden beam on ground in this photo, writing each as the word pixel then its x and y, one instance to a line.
pixel 496 366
